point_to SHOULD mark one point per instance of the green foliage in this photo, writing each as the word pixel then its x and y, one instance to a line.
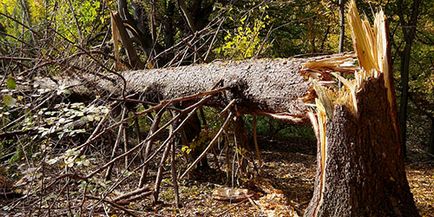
pixel 75 20
pixel 144 123
pixel 301 28
pixel 10 83
pixel 4 144
pixel 245 40
pixel 19 10
pixel 18 154
pixel 9 101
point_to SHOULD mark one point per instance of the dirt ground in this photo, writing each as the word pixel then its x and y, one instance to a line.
pixel 287 177
pixel 283 188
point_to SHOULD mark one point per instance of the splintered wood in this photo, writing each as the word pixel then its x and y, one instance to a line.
pixel 356 127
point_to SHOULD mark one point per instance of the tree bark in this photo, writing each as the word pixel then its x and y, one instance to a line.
pixel 266 86
pixel 341 25
pixel 403 106
pixel 409 31
pixel 364 172
pixel 360 168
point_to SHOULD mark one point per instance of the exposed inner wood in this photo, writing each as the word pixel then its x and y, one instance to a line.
pixel 360 166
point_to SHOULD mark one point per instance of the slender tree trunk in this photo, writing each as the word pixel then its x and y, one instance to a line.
pixel 409 31
pixel 342 25
pixel 403 106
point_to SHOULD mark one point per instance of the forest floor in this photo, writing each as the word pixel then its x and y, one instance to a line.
pixel 283 187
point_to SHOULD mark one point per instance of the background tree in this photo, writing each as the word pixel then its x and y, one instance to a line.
pixel 408 25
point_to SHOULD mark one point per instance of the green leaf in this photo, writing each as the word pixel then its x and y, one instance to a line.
pixel 243 19
pixel 9 101
pixel 10 83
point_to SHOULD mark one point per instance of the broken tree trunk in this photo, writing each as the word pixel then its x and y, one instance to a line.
pixel 270 87
pixel 363 172
pixel 360 166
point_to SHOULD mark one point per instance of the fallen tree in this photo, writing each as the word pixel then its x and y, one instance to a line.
pixel 360 167
pixel 279 88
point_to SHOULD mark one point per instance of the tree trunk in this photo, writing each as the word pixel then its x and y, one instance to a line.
pixel 360 168
pixel 364 172
pixel 409 31
pixel 341 25
pixel 403 107
pixel 360 165
pixel 274 87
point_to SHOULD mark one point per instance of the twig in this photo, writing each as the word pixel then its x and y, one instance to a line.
pixel 230 104
pixel 27 113
pixel 148 146
pixel 80 34
pixel 209 145
pixel 101 133
pixel 118 138
pixel 56 198
pixel 160 167
pixel 190 37
pixel 129 212
pixel 67 175
pixel 181 99
pixel 91 137
pixel 134 198
pixel 125 137
pixel 124 82
pixel 191 108
pixel 83 200
pixel 18 58
pixel 255 140
pixel 213 39
pixel 194 107
pixel 130 194
pixel 232 207
pixel 174 175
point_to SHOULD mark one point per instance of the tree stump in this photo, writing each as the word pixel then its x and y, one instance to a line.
pixel 360 168
pixel 364 170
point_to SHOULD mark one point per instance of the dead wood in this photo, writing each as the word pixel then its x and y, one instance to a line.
pixel 265 86
pixel 360 168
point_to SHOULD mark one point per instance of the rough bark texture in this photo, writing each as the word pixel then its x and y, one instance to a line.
pixel 364 170
pixel 264 86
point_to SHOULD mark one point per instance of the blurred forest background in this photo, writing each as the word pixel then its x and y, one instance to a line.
pixel 51 38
